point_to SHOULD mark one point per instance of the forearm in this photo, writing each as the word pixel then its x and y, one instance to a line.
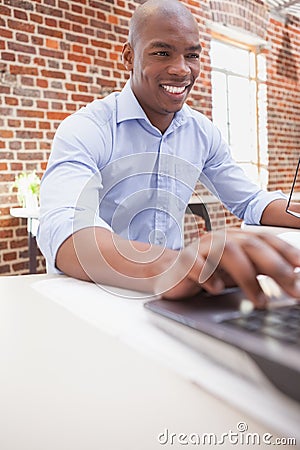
pixel 96 254
pixel 275 215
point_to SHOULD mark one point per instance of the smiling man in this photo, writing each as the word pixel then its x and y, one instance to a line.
pixel 122 170
pixel 163 56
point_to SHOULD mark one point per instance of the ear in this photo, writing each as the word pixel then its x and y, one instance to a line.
pixel 127 56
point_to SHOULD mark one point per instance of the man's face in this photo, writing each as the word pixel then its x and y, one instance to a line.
pixel 164 64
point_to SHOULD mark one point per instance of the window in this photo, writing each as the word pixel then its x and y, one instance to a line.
pixel 239 99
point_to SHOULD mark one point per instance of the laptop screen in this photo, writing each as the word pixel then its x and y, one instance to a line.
pixel 295 193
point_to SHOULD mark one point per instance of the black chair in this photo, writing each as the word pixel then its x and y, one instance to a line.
pixel 199 209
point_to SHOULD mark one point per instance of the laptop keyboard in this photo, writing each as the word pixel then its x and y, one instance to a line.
pixel 279 323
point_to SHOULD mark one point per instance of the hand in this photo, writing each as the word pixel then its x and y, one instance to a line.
pixel 234 257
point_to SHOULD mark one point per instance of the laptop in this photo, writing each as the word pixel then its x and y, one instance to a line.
pixel 228 329
pixel 294 192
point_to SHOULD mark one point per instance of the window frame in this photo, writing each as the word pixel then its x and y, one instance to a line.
pixel 256 50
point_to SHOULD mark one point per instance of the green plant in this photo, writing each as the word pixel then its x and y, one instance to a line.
pixel 27 185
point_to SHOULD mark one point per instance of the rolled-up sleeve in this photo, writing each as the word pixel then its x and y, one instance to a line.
pixel 71 185
pixel 256 206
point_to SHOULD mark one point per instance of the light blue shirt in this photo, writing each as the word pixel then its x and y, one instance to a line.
pixel 110 167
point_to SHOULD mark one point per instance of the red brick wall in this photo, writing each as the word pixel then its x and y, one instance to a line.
pixel 57 55
pixel 283 101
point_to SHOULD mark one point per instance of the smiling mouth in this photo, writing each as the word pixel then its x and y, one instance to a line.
pixel 174 89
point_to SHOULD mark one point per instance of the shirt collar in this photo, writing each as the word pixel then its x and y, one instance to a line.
pixel 127 105
pixel 128 108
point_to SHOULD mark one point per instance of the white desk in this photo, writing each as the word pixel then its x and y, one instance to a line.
pixel 83 368
pixel 268 229
pixel 32 216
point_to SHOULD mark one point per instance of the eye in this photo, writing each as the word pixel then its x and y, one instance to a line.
pixel 161 53
pixel 193 56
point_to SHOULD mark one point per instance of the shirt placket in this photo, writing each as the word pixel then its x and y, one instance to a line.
pixel 163 192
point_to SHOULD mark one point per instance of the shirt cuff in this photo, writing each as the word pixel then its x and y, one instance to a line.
pixel 257 206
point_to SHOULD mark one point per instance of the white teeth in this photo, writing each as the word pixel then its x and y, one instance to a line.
pixel 174 89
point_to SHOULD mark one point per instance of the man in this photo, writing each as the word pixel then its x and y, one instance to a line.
pixel 122 170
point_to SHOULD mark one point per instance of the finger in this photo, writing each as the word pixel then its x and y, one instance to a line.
pixel 240 268
pixel 185 288
pixel 273 258
pixel 226 260
pixel 288 251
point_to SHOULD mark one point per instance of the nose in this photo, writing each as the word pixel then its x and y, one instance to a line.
pixel 179 66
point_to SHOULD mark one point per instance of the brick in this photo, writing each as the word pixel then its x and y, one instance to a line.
pixel 57 95
pixel 11 101
pixel 77 9
pixel 21 267
pixel 100 6
pixel 3 245
pixel 21 4
pixel 101 44
pixel 42 104
pixel 4 269
pixel 30 124
pixel 81 78
pixel 22 26
pixel 82 98
pixel 113 19
pixel 31 145
pixel 75 38
pixel 20 14
pixel 26 134
pixel 6 134
pixel 64 5
pixel 16 166
pixel 5 234
pixel 52 43
pixel 13 124
pixel 30 113
pixel 24 59
pixel 6 56
pixel 76 18
pixel 53 74
pixel 24 70
pixel 5 11
pixel 51 53
pixel 26 102
pixel 36 18
pixel 22 37
pixel 5 33
pixel 48 11
pixel 44 125
pixel 30 156
pixel 9 256
pixel 37 41
pixel 14 145
pixel 80 68
pixel 16 47
pixel 79 58
pixel 54 115
pixel 3 166
pixel 32 93
pixel 50 32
